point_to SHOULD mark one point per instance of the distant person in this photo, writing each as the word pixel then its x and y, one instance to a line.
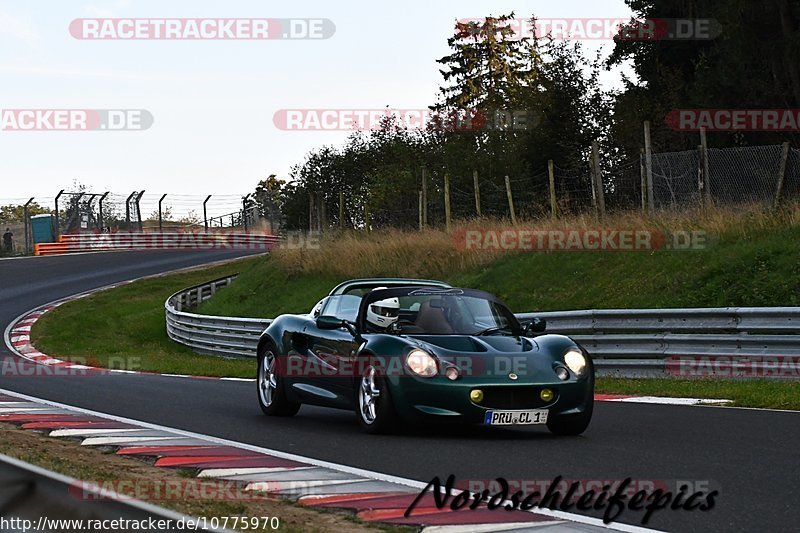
pixel 8 240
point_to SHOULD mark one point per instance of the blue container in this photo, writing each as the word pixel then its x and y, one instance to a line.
pixel 42 228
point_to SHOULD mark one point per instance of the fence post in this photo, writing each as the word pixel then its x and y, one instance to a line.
pixel 341 209
pixel 58 222
pixel 510 202
pixel 139 210
pixel 244 212
pixel 366 216
pixel 706 173
pixel 323 214
pixel 205 212
pixel 420 211
pixel 311 211
pixel 643 178
pixel 447 220
pixel 648 150
pixel 551 171
pixel 477 192
pixel 701 175
pixel 781 174
pixel 100 207
pixel 598 179
pixel 26 216
pixel 160 217
pixel 424 197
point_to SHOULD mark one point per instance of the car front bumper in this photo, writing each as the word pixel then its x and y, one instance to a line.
pixel 442 400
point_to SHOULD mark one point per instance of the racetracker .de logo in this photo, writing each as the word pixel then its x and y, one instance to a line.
pixel 602 29
pixel 75 119
pixel 201 29
pixel 734 119
pixel 466 120
pixel 578 239
pixel 734 366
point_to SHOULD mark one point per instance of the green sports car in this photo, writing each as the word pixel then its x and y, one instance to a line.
pixel 398 350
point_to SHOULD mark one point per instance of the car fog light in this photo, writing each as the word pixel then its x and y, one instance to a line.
pixel 451 373
pixel 562 373
pixel 546 395
pixel 476 395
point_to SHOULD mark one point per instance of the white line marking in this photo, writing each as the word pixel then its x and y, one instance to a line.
pixel 359 472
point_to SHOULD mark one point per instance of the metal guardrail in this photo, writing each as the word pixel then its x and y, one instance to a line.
pixel 630 342
pixel 34 498
pixel 212 335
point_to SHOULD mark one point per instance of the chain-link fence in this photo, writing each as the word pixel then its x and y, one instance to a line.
pixel 86 211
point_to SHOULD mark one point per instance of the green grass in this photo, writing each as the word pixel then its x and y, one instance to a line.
pixel 124 328
pixel 752 393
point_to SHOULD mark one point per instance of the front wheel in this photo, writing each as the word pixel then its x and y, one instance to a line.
pixel 374 404
pixel 271 392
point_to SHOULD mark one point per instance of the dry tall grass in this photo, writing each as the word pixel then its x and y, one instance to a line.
pixel 434 253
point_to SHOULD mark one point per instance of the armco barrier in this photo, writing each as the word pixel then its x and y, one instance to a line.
pixel 625 342
pixel 103 242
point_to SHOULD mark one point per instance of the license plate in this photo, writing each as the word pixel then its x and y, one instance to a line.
pixel 515 418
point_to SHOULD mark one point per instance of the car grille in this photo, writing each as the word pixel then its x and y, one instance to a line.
pixel 514 397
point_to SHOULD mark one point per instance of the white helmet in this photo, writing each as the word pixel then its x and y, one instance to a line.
pixel 383 313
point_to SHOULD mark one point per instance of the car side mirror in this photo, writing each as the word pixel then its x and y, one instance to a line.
pixel 537 325
pixel 329 322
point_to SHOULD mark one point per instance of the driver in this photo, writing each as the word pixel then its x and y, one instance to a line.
pixel 381 315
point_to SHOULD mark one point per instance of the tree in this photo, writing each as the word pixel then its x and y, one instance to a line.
pixel 16 213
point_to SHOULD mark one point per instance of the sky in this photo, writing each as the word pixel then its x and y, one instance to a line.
pixel 213 101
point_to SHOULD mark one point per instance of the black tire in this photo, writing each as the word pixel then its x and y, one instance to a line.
pixel 385 417
pixel 275 404
pixel 571 424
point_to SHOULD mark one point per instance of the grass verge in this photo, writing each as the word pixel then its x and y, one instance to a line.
pixel 136 478
pixel 750 393
pixel 124 328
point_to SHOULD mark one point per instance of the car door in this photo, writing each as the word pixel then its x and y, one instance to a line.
pixel 328 369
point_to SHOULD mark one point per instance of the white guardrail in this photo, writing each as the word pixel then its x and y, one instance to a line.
pixel 625 342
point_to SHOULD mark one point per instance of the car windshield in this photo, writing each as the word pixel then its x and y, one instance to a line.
pixel 452 312
pixel 342 306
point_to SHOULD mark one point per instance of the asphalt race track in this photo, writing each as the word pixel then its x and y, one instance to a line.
pixel 749 455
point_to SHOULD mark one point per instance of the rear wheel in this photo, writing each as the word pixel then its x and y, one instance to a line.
pixel 374 407
pixel 271 392
pixel 571 424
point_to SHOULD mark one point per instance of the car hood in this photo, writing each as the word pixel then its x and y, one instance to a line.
pixel 470 344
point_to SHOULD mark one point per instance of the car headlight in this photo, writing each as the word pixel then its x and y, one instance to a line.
pixel 421 363
pixel 575 361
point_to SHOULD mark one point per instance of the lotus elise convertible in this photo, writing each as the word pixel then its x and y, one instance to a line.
pixel 399 350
